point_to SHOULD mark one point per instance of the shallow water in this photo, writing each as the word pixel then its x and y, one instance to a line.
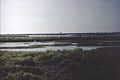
pixel 45 48
pixel 53 48
pixel 19 44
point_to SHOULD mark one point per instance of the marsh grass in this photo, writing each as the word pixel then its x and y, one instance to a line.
pixel 77 64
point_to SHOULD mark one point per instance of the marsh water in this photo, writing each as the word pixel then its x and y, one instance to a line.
pixel 14 46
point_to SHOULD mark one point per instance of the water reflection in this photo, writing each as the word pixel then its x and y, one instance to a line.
pixel 47 46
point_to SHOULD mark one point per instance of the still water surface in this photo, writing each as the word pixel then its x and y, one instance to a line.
pixel 48 46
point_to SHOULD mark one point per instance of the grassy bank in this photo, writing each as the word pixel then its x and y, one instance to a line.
pixel 99 64
pixel 24 47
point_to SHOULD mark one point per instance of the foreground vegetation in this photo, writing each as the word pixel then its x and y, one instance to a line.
pixel 99 64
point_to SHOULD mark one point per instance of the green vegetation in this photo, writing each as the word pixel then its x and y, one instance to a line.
pixel 98 64
pixel 20 39
pixel 101 39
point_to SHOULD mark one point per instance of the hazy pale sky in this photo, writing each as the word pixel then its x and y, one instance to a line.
pixel 39 16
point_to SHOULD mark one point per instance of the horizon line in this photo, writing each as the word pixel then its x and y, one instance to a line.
pixel 57 33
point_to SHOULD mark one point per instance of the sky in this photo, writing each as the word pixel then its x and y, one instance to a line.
pixel 54 16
